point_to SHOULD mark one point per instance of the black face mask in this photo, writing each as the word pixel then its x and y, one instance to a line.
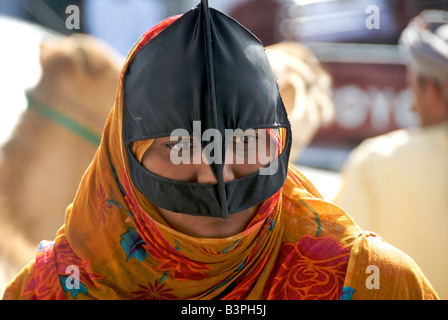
pixel 204 67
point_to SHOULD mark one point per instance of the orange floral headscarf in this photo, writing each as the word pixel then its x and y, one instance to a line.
pixel 112 234
pixel 115 245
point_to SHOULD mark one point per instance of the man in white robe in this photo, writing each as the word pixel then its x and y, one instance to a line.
pixel 397 184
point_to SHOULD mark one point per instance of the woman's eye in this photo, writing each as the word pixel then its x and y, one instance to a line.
pixel 245 139
pixel 178 145
pixel 183 144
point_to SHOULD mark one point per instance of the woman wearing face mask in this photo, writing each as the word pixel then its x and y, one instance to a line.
pixel 190 195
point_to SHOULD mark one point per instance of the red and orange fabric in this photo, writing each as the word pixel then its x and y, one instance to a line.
pixel 115 245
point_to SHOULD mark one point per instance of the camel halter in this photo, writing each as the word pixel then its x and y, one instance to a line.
pixel 63 120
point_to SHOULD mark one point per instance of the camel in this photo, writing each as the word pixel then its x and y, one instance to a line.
pixel 306 90
pixel 53 143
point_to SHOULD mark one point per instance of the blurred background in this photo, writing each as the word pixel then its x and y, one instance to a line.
pixel 370 92
pixel 369 88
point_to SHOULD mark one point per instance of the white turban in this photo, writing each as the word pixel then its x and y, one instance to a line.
pixel 425 44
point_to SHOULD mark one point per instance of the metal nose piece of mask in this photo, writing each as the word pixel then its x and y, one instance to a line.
pixel 205 67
